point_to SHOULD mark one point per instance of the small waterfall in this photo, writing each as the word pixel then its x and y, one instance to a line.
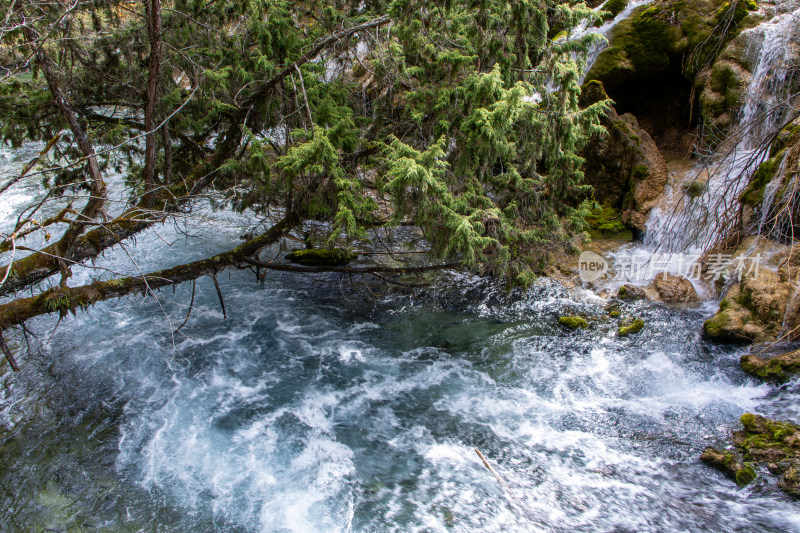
pixel 682 223
pixel 770 50
pixel 604 30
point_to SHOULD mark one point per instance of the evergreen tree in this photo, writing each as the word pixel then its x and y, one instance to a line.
pixel 463 115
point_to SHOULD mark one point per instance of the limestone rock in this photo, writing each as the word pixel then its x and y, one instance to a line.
pixel 761 441
pixel 753 310
pixel 675 289
pixel 625 167
pixel 777 369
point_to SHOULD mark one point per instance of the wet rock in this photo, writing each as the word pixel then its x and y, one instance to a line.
pixel 695 188
pixel 624 167
pixel 631 292
pixel 765 442
pixel 776 369
pixel 634 327
pixel 753 310
pixel 573 322
pixel 675 289
pixel 729 463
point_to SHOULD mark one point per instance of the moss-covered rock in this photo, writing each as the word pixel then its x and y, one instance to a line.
pixel 730 463
pixel 573 322
pixel 693 41
pixel 634 327
pixel 592 92
pixel 605 222
pixel 765 442
pixel 753 310
pixel 624 167
pixel 753 195
pixel 637 46
pixel 631 292
pixel 644 43
pixel 320 257
pixel 695 188
pixel 612 8
pixel 780 208
pixel 776 369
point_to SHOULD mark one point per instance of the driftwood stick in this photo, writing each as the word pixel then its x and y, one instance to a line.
pixel 492 470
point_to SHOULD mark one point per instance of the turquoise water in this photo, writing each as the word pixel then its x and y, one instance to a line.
pixel 329 404
pixel 315 407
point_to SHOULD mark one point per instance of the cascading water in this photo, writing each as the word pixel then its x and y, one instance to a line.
pixel 604 30
pixel 317 408
pixel 682 223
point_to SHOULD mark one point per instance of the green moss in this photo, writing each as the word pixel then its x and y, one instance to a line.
pixel 615 7
pixel 695 189
pixel 612 63
pixel 717 326
pixel 573 322
pixel 740 10
pixel 727 459
pixel 592 92
pixel 753 195
pixel 605 223
pixel 611 9
pixel 615 313
pixel 762 441
pixel 745 475
pixel 55 301
pixel 788 136
pixel 640 172
pixel 635 327
pixel 320 257
pixel 655 35
pixel 777 370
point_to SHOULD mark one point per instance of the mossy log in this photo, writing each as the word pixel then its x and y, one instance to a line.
pixel 63 300
pixel 69 299
pixel 321 257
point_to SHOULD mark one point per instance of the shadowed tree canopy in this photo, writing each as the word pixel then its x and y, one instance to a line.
pixel 459 118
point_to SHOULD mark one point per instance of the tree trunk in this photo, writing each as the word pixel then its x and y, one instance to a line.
pixel 153 14
pixel 98 187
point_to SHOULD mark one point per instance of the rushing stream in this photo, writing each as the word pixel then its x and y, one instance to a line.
pixel 317 407
pixel 325 404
